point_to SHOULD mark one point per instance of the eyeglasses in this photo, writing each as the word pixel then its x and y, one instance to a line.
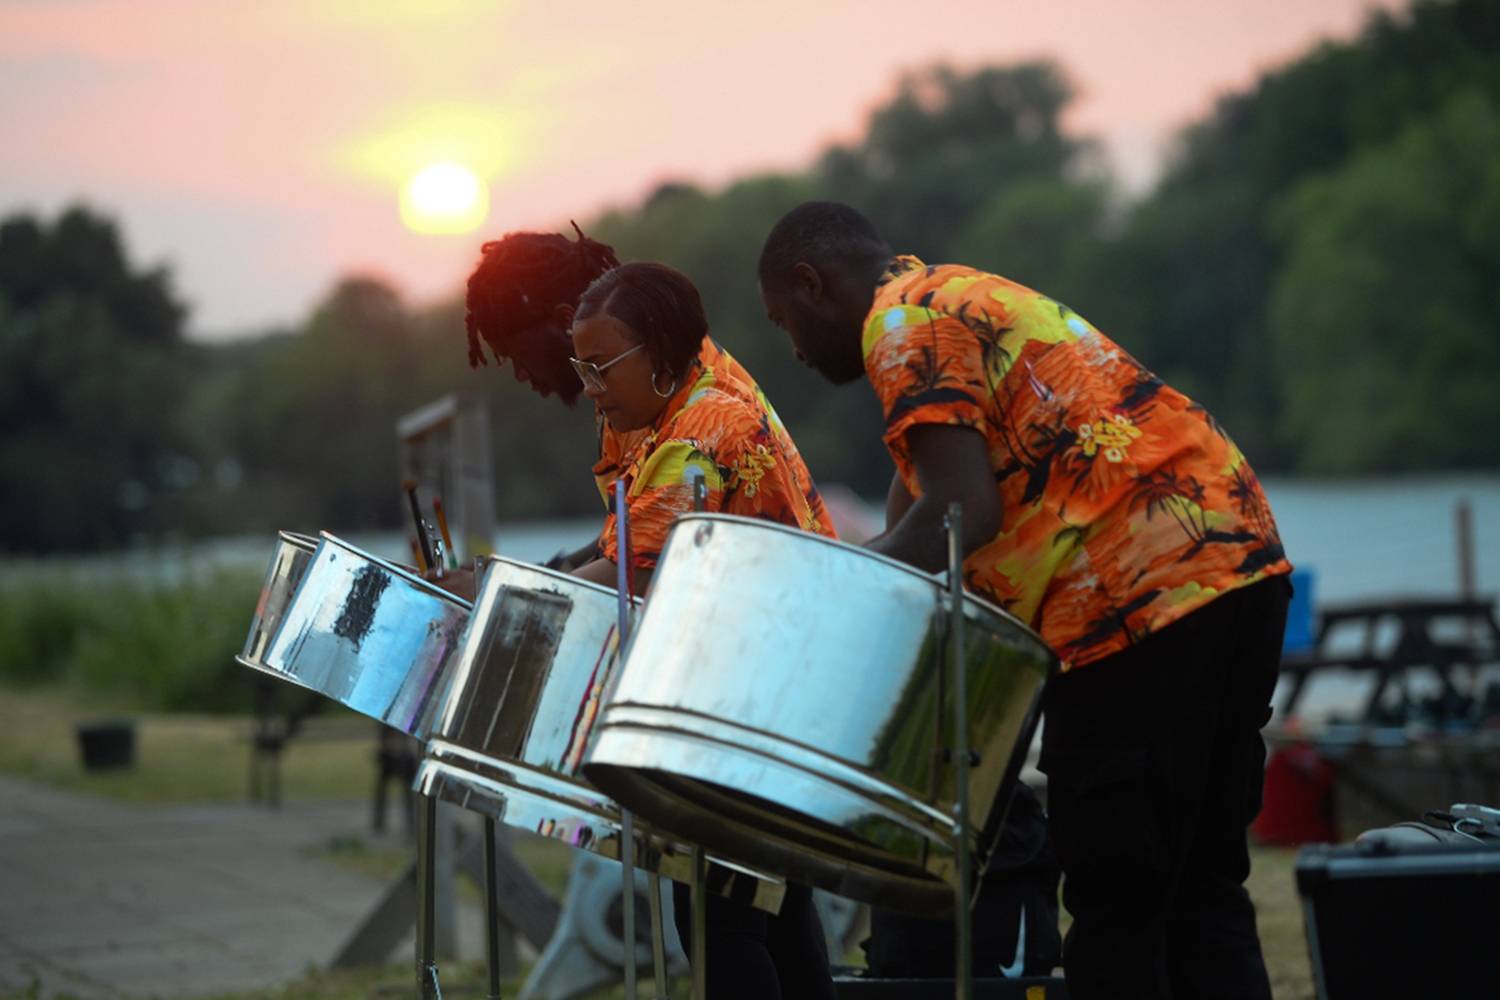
pixel 592 375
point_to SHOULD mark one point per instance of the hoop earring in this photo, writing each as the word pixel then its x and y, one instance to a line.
pixel 663 395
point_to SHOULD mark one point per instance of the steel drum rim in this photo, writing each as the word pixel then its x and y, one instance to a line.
pixel 655 849
pixel 245 661
pixel 575 794
pixel 936 580
pixel 297 538
pixel 558 575
pixel 899 806
pixel 432 770
pixel 421 584
pixel 308 545
pixel 723 805
pixel 926 894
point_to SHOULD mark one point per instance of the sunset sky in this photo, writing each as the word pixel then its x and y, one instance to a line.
pixel 259 149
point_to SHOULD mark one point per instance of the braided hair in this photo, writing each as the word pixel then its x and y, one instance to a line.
pixel 520 280
pixel 659 303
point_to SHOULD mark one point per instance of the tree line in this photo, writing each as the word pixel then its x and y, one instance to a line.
pixel 1319 264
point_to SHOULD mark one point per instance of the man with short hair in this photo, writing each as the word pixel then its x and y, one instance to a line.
pixel 1113 515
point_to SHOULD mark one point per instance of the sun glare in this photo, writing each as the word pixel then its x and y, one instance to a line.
pixel 444 198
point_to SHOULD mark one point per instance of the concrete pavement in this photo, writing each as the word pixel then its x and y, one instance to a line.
pixel 105 899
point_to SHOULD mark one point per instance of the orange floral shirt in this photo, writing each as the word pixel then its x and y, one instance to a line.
pixel 1124 505
pixel 721 424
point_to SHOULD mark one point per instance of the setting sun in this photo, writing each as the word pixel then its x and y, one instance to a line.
pixel 444 198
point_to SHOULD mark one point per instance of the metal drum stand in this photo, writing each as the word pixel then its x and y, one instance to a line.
pixel 962 895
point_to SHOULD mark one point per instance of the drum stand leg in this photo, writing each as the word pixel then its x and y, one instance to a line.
pixel 627 822
pixel 698 900
pixel 491 909
pixel 427 973
pixel 658 943
pixel 698 893
pixel 963 976
pixel 627 898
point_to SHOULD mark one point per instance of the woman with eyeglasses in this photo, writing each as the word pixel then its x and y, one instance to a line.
pixel 681 411
pixel 672 406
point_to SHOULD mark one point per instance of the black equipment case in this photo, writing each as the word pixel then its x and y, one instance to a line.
pixel 1387 918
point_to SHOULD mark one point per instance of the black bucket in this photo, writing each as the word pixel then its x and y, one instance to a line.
pixel 107 745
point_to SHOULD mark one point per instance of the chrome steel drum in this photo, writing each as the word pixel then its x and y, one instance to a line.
pixel 785 700
pixel 288 562
pixel 511 733
pixel 369 635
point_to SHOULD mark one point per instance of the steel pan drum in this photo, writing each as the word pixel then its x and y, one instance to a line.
pixel 786 699
pixel 288 562
pixel 369 635
pixel 510 735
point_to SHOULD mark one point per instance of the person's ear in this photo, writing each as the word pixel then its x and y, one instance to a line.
pixel 562 314
pixel 807 278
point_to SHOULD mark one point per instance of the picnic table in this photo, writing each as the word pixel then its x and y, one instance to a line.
pixel 1472 640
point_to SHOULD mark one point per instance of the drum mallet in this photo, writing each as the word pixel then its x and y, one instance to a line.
pixel 424 540
pixel 627 822
pixel 963 977
pixel 442 520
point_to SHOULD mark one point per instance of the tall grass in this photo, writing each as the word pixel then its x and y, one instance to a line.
pixel 165 646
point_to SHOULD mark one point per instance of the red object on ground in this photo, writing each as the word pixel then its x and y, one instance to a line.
pixel 1297 805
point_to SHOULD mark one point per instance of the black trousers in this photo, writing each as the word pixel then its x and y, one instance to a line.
pixel 1014 918
pixel 757 956
pixel 1154 763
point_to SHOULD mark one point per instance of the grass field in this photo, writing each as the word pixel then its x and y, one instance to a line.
pixel 186 759
pixel 179 758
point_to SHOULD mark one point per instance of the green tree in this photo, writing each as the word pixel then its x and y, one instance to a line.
pixel 1187 282
pixel 81 255
pixel 948 140
pixel 316 421
pixel 1037 231
pixel 1385 307
pixel 90 376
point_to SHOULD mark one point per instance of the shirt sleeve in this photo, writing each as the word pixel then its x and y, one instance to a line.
pixel 662 491
pixel 927 368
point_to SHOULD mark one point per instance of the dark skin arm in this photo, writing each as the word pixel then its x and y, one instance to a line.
pixel 601 571
pixel 604 572
pixel 952 464
pixel 897 502
pixel 581 556
pixel 458 582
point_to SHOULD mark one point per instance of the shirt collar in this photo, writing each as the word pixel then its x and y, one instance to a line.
pixel 900 264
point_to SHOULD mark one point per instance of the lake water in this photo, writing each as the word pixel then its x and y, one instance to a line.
pixel 1376 538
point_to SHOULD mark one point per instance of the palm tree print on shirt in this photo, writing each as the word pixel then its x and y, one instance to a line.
pixel 1124 505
